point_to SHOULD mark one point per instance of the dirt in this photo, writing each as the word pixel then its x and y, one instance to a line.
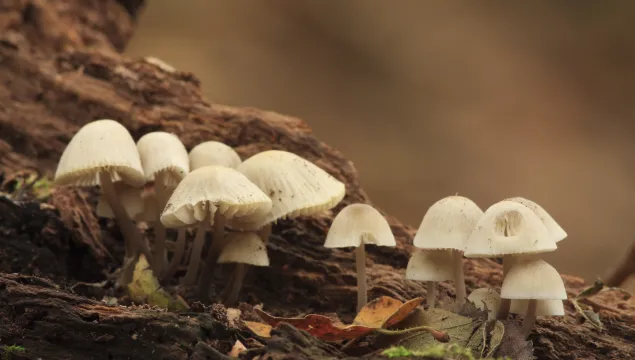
pixel 59 68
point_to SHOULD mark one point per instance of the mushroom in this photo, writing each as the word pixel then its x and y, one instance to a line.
pixel 213 153
pixel 533 280
pixel 508 229
pixel 447 226
pixel 486 299
pixel 555 230
pixel 431 266
pixel 165 162
pixel 211 195
pixel 100 153
pixel 242 248
pixel 355 226
pixel 130 198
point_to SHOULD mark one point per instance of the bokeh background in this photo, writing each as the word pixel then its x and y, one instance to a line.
pixel 431 98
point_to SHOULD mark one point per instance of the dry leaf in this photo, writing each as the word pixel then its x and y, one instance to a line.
pixel 145 289
pixel 236 349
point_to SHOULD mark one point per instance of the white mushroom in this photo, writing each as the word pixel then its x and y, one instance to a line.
pixel 431 266
pixel 213 153
pixel 555 230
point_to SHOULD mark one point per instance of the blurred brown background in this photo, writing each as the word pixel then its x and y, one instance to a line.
pixel 430 98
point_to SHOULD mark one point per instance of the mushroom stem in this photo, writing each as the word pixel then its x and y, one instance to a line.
pixel 508 262
pixel 431 297
pixel 237 283
pixel 218 242
pixel 177 257
pixel 530 317
pixel 133 239
pixel 195 254
pixel 505 304
pixel 159 229
pixel 360 264
pixel 459 279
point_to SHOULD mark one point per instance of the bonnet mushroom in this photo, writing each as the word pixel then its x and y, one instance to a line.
pixel 100 153
pixel 447 226
pixel 431 266
pixel 165 163
pixel 533 280
pixel 213 153
pixel 555 230
pixel 355 226
pixel 486 299
pixel 130 198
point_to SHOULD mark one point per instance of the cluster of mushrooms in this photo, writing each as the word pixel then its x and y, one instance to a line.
pixel 157 181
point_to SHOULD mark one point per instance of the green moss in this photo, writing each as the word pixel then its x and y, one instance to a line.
pixel 436 351
pixel 11 349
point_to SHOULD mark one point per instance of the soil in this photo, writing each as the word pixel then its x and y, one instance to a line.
pixel 60 67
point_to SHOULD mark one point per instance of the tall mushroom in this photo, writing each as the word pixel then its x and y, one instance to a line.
pixel 165 162
pixel 355 226
pixel 555 230
pixel 533 280
pixel 486 299
pixel 431 266
pixel 508 229
pixel 446 226
pixel 213 153
pixel 100 153
pixel 211 195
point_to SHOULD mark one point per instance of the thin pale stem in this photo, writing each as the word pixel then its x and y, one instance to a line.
pixel 505 305
pixel 177 257
pixel 159 230
pixel 530 317
pixel 218 242
pixel 195 254
pixel 459 280
pixel 431 289
pixel 362 287
pixel 237 283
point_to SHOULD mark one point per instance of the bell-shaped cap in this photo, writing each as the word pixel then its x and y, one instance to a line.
pixel 162 152
pixel 296 186
pixel 447 224
pixel 508 228
pixel 486 299
pixel 213 188
pixel 244 248
pixel 556 232
pixel 543 307
pixel 430 265
pixel 100 146
pixel 533 279
pixel 359 223
pixel 213 153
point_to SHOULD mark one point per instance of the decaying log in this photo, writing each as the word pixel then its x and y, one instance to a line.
pixel 60 67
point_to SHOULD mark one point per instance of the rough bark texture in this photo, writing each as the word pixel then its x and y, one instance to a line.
pixel 60 68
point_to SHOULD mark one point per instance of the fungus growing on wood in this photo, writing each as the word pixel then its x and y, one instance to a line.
pixel 486 299
pixel 213 153
pixel 431 266
pixel 355 226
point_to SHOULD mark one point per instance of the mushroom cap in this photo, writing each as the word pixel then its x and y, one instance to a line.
pixel 485 299
pixel 508 228
pixel 358 223
pixel 244 248
pixel 430 265
pixel 213 153
pixel 555 230
pixel 296 186
pixel 210 189
pixel 543 307
pixel 533 279
pixel 447 224
pixel 101 145
pixel 163 152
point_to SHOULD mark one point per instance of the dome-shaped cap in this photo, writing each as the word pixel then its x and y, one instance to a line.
pixel 508 228
pixel 244 248
pixel 357 223
pixel 543 307
pixel 556 232
pixel 447 224
pixel 296 186
pixel 210 189
pixel 101 145
pixel 163 152
pixel 485 298
pixel 430 265
pixel 213 153
pixel 533 279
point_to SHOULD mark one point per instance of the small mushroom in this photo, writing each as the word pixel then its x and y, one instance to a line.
pixel 355 226
pixel 431 266
pixel 130 198
pixel 211 195
pixel 543 307
pixel 100 153
pixel 532 280
pixel 213 153
pixel 447 226
pixel 242 248
pixel 555 230
pixel 508 229
pixel 486 299
pixel 165 162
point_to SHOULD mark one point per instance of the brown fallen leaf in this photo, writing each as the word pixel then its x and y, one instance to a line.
pixel 236 349
pixel 377 314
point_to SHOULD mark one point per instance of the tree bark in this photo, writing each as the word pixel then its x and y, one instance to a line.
pixel 61 67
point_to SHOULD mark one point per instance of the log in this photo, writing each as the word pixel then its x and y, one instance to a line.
pixel 61 67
